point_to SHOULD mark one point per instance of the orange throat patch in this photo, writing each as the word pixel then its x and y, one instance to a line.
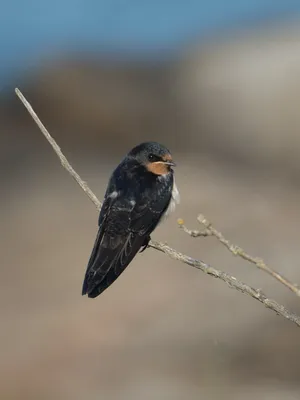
pixel 158 168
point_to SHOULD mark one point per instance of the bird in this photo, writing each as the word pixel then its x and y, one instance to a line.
pixel 140 193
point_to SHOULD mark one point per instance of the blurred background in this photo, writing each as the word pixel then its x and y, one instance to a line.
pixel 219 84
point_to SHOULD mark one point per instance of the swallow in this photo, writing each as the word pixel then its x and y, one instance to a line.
pixel 140 193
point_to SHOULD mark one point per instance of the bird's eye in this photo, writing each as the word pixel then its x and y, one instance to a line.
pixel 153 157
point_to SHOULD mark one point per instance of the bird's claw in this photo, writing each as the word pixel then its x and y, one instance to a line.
pixel 145 244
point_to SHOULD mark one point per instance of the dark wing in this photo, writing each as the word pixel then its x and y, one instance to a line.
pixel 124 228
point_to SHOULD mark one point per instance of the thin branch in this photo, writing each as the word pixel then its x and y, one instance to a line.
pixel 231 281
pixel 64 162
pixel 238 251
pixel 193 233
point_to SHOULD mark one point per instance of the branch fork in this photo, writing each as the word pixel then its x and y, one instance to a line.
pixel 231 281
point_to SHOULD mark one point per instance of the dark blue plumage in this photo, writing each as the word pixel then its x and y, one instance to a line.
pixel 139 193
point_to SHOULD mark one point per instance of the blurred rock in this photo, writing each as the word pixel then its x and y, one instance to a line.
pixel 163 330
pixel 97 102
pixel 235 99
pixel 241 96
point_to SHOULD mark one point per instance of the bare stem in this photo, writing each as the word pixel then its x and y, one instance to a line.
pixel 238 251
pixel 64 162
pixel 231 281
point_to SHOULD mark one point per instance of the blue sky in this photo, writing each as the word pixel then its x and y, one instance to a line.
pixel 32 29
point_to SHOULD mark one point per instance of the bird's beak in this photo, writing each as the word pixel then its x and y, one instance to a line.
pixel 170 163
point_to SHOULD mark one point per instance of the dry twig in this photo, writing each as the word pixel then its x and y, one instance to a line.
pixel 231 281
pixel 238 251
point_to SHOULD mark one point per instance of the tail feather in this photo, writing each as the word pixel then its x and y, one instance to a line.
pixel 109 258
pixel 95 251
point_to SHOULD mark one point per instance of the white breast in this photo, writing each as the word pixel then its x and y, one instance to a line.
pixel 175 199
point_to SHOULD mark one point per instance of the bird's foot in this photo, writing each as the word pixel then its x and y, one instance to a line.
pixel 145 244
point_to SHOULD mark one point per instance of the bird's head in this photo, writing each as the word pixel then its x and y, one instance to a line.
pixel 155 157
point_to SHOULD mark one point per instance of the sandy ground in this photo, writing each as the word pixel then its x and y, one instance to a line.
pixel 163 330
